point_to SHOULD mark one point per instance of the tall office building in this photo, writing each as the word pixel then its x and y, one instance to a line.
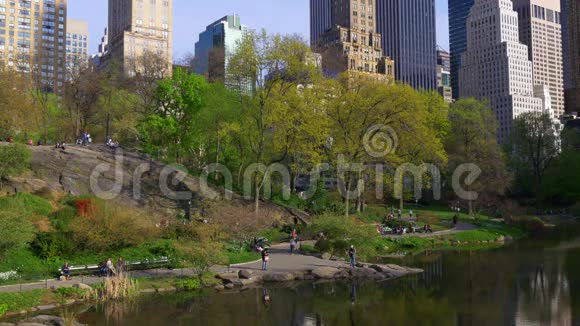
pixel 320 19
pixel 571 45
pixel 408 33
pixel 444 75
pixel 102 50
pixel 77 45
pixel 351 44
pixel 32 40
pixel 495 65
pixel 215 47
pixel 458 12
pixel 137 27
pixel 541 30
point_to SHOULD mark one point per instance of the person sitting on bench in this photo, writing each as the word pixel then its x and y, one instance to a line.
pixel 66 271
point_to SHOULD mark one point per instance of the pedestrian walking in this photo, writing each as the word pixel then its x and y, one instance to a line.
pixel 399 213
pixel 352 256
pixel 411 214
pixel 265 259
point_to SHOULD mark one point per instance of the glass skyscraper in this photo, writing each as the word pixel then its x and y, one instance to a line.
pixel 458 12
pixel 409 38
pixel 214 48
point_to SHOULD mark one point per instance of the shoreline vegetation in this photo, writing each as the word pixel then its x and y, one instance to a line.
pixel 43 256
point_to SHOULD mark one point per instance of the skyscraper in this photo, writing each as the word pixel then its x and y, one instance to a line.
pixel 32 40
pixel 444 75
pixel 408 33
pixel 352 44
pixel 458 12
pixel 571 45
pixel 215 47
pixel 77 45
pixel 137 27
pixel 541 30
pixel 320 19
pixel 495 65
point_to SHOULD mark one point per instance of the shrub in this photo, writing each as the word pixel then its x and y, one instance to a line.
pixel 49 245
pixel 341 233
pixel 189 284
pixel 113 226
pixel 14 159
pixel 16 232
pixel 67 293
pixel 62 218
pixel 3 309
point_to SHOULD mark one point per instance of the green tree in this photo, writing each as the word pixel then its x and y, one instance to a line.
pixel 169 132
pixel 562 177
pixel 532 146
pixel 16 232
pixel 14 159
pixel 473 140
pixel 276 66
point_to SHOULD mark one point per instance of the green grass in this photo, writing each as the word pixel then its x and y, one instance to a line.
pixel 242 257
pixel 26 204
pixel 273 235
pixel 22 300
pixel 309 249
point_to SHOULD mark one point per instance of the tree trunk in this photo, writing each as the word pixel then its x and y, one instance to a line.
pixel 347 201
pixel 217 156
pixel 256 196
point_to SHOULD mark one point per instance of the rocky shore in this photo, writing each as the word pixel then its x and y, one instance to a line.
pixel 247 278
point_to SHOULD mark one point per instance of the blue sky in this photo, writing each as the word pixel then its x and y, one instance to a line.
pixel 191 16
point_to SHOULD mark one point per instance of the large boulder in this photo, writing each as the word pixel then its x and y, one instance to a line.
pixel 278 277
pixel 325 272
pixel 364 272
pixel 235 281
pixel 245 274
pixel 83 286
pixel 227 276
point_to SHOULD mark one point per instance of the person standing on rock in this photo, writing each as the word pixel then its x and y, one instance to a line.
pixel 265 259
pixel 352 256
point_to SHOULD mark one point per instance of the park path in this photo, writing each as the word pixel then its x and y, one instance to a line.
pixel 282 261
pixel 90 280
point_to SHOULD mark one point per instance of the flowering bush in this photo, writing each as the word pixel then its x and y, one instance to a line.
pixel 7 276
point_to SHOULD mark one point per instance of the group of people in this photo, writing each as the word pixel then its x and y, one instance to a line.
pixel 106 268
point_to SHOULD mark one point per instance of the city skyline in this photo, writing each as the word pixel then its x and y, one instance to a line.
pixel 191 19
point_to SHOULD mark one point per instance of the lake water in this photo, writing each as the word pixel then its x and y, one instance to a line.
pixel 532 282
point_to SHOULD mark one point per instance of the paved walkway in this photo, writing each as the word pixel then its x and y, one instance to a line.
pixel 282 261
pixel 90 280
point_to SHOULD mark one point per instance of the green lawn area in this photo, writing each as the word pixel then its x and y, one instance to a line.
pixel 242 257
pixel 11 302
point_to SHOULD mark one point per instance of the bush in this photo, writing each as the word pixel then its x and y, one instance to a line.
pixel 341 233
pixel 190 284
pixel 21 300
pixel 16 232
pixel 73 293
pixel 14 159
pixel 112 227
pixel 3 309
pixel 61 219
pixel 50 245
